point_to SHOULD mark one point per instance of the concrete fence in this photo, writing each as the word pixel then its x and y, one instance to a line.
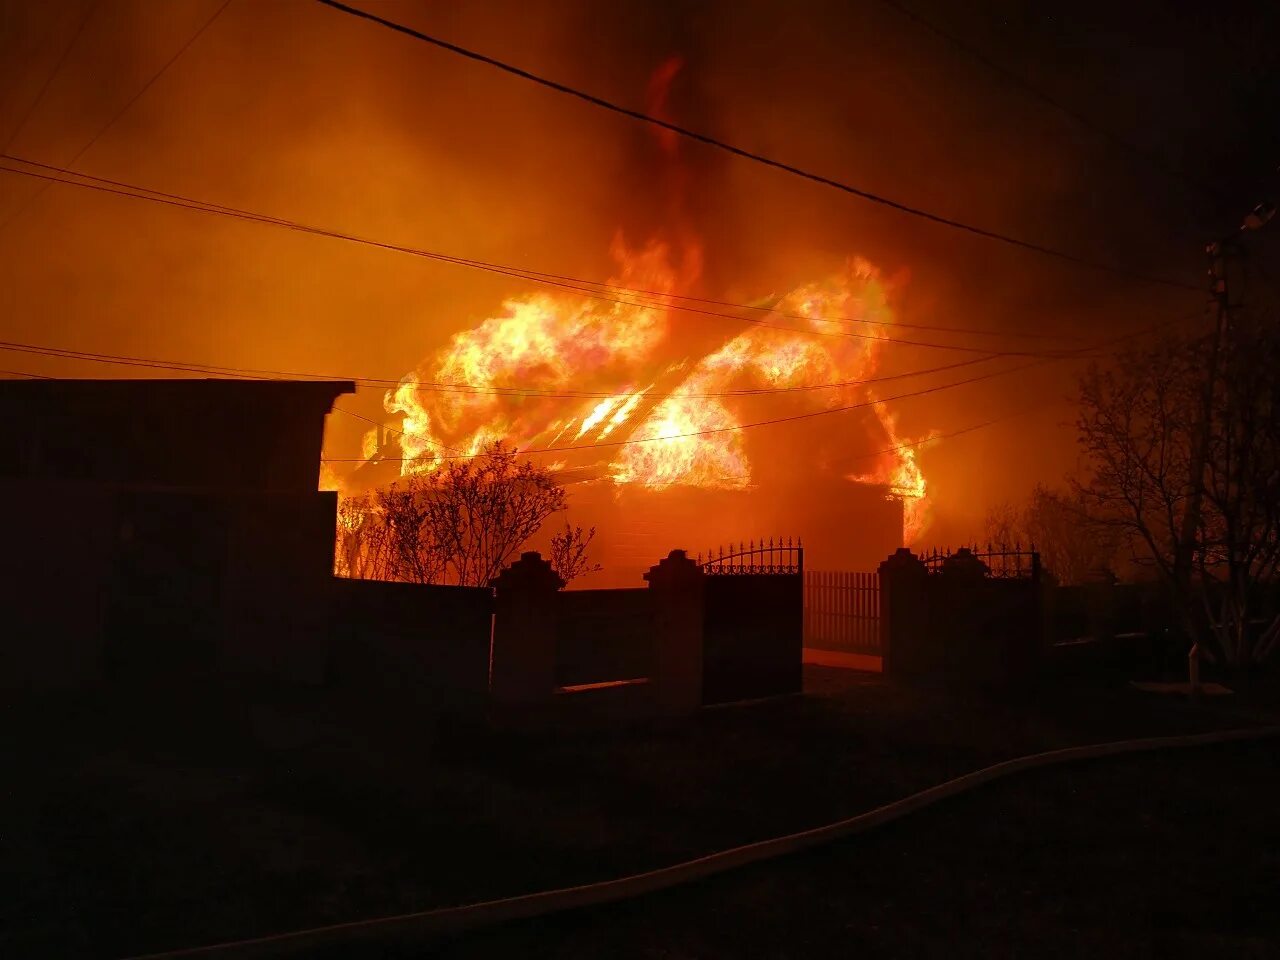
pixel 633 652
pixel 526 647
pixel 956 620
pixel 427 642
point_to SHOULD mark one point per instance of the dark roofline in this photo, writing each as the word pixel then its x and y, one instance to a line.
pixel 331 388
pixel 345 385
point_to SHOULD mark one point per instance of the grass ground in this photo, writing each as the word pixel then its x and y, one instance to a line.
pixel 144 824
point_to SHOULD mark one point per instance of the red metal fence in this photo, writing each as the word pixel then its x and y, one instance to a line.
pixel 842 610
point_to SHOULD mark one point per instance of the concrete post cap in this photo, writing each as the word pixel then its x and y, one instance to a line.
pixel 964 563
pixel 902 559
pixel 674 566
pixel 530 571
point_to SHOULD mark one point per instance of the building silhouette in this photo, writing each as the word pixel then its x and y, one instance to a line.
pixel 163 529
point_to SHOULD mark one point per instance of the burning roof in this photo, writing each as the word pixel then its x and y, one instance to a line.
pixel 625 384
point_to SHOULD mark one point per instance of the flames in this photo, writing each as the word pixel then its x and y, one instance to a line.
pixel 540 344
pixel 634 392
pixel 898 468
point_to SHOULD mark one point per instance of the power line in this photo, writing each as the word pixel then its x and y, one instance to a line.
pixel 154 77
pixel 1172 172
pixel 53 74
pixel 561 280
pixel 770 422
pixel 620 443
pixel 256 373
pixel 191 369
pixel 772 309
pixel 438 387
pixel 748 154
pixel 736 427
pixel 663 296
pixel 176 200
pixel 933 438
pixel 121 112
pixel 384 426
pixel 1082 353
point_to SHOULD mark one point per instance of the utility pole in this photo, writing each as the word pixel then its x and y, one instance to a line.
pixel 1221 253
pixel 1184 559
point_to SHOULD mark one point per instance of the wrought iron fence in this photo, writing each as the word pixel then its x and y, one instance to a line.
pixel 775 557
pixel 1000 562
pixel 842 610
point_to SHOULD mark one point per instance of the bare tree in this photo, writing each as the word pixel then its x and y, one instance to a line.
pixel 363 545
pixel 1003 524
pixel 1073 546
pixel 480 511
pixel 414 553
pixel 1140 422
pixel 1239 538
pixel 1137 430
pixel 569 553
pixel 459 524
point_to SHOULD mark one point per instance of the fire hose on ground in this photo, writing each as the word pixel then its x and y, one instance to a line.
pixel 429 926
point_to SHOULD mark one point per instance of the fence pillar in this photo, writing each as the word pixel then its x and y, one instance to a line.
pixel 971 644
pixel 964 567
pixel 524 632
pixel 906 643
pixel 677 586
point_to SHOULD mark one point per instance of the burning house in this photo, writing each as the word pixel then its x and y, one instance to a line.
pixel 672 427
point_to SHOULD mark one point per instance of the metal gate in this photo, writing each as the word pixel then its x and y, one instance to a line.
pixel 842 611
pixel 753 621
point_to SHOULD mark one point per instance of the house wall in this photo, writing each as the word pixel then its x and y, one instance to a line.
pixel 844 525
pixel 106 583
pixel 192 434
pixel 56 550
pixel 163 529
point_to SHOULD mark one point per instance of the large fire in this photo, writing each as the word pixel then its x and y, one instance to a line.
pixel 643 394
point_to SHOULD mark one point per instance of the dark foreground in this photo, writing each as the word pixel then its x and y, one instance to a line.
pixel 138 823
pixel 1169 855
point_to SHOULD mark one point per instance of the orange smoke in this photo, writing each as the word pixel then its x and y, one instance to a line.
pixel 658 93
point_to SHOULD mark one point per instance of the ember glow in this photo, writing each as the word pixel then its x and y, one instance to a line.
pixel 614 388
